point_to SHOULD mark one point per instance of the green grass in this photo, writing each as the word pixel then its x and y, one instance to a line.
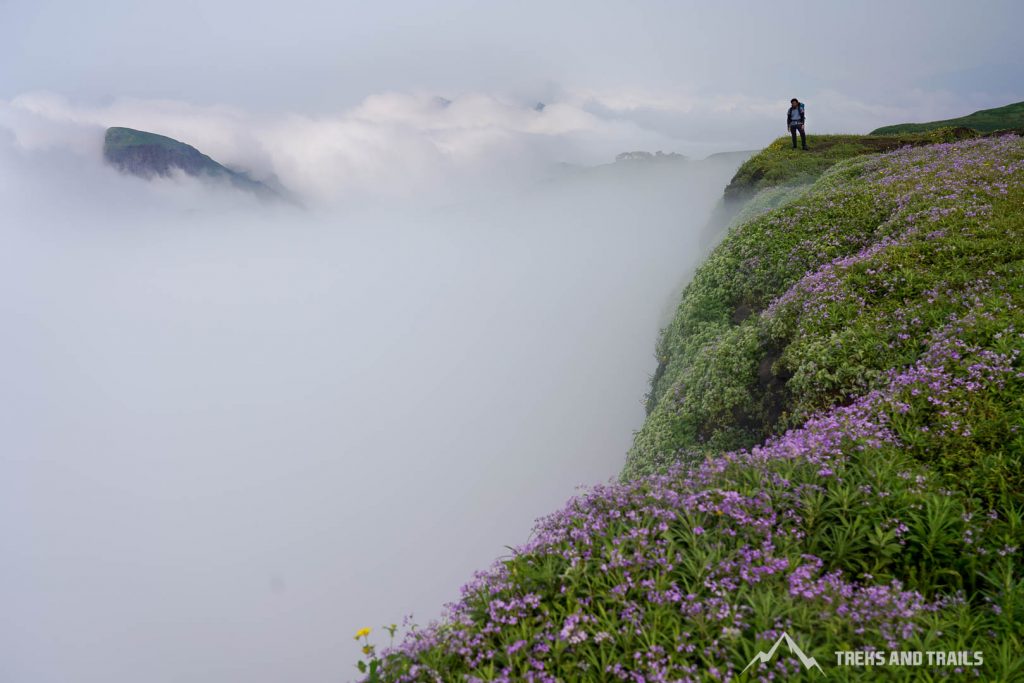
pixel 118 138
pixel 779 164
pixel 987 120
pixel 727 378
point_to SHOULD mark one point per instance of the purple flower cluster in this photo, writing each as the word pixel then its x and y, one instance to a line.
pixel 960 177
pixel 625 531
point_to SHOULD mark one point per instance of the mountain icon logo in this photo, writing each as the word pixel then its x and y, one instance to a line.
pixel 765 657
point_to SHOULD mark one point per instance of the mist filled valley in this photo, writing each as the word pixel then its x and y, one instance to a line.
pixel 234 427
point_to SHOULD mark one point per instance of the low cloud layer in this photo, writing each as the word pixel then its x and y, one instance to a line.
pixel 235 432
pixel 391 145
pixel 405 145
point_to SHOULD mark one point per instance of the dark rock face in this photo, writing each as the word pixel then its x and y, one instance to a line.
pixel 149 155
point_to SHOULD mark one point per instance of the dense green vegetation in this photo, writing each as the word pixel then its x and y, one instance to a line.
pixel 729 378
pixel 1001 118
pixel 834 451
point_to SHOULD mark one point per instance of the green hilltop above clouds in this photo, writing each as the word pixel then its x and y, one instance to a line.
pixel 987 120
pixel 149 155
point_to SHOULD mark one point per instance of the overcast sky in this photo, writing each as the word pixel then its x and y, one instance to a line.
pixel 694 77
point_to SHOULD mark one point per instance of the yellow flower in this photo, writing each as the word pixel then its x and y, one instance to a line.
pixel 367 649
pixel 362 633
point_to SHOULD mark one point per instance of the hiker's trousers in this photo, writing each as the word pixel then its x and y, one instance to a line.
pixel 793 128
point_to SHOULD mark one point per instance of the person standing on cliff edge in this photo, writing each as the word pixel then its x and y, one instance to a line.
pixel 795 121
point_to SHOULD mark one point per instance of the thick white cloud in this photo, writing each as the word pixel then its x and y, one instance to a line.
pixel 235 432
pixel 416 144
pixel 390 144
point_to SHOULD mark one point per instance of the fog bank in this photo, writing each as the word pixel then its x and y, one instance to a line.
pixel 234 432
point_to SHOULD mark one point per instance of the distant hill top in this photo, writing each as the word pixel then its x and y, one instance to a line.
pixel 985 121
pixel 647 156
pixel 149 155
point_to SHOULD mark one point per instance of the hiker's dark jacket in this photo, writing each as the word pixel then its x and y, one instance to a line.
pixel 789 121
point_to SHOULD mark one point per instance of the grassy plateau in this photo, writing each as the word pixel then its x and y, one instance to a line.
pixel 1001 118
pixel 833 449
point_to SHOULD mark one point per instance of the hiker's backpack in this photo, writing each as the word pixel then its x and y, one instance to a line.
pixel 801 105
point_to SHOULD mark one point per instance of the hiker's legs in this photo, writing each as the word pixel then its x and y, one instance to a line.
pixel 792 130
pixel 803 138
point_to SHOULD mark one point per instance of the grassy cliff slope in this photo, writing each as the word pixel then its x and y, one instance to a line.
pixel 835 452
pixel 986 120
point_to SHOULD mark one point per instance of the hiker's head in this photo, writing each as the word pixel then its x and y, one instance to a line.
pixel 793 102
